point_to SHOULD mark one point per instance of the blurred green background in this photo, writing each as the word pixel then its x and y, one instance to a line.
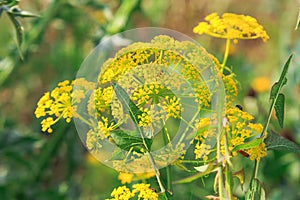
pixel 37 165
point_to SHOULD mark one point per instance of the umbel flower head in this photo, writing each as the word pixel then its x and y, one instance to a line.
pixel 231 26
pixel 239 129
pixel 140 190
pixel 60 102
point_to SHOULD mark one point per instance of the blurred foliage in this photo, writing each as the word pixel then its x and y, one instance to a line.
pixel 35 165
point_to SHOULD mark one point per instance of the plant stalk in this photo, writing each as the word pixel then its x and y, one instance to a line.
pixel 225 54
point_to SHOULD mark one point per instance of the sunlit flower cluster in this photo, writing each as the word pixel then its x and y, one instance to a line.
pixel 231 26
pixel 239 129
pixel 141 190
pixel 60 102
pixel 256 153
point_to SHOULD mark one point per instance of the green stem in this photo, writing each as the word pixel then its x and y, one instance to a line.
pixel 157 173
pixel 228 177
pixel 225 54
pixel 166 139
pixel 220 183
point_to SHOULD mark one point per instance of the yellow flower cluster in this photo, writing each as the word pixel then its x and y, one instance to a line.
pixel 203 150
pixel 142 190
pixel 98 133
pixel 60 102
pixel 231 26
pixel 231 89
pixel 121 193
pixel 129 177
pixel 172 107
pixel 125 177
pixel 239 129
pixel 55 105
pixel 256 153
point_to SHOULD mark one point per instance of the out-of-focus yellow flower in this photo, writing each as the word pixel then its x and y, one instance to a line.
pixel 231 26
pixel 261 84
pixel 125 177
pixel 91 159
pixel 129 177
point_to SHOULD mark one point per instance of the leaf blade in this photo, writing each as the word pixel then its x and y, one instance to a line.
pixel 279 109
pixel 19 32
pixel 275 141
pixel 249 145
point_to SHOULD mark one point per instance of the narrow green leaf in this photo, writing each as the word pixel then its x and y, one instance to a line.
pixel 248 145
pixel 128 105
pixel 298 20
pixel 282 80
pixel 23 13
pixel 276 89
pixel 279 108
pixel 19 32
pixel 126 141
pixel 275 141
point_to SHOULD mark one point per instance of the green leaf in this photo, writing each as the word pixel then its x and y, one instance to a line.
pixel 126 141
pixel 279 108
pixel 282 80
pixel 256 191
pixel 19 31
pixel 249 145
pixel 276 89
pixel 22 13
pixel 275 141
pixel 241 176
pixel 128 105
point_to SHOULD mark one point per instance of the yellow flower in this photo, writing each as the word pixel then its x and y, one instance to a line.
pixel 129 177
pixel 143 190
pixel 125 177
pixel 91 159
pixel 121 193
pixel 60 102
pixel 231 89
pixel 261 84
pixel 202 150
pixel 239 128
pixel 257 152
pixel 231 26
